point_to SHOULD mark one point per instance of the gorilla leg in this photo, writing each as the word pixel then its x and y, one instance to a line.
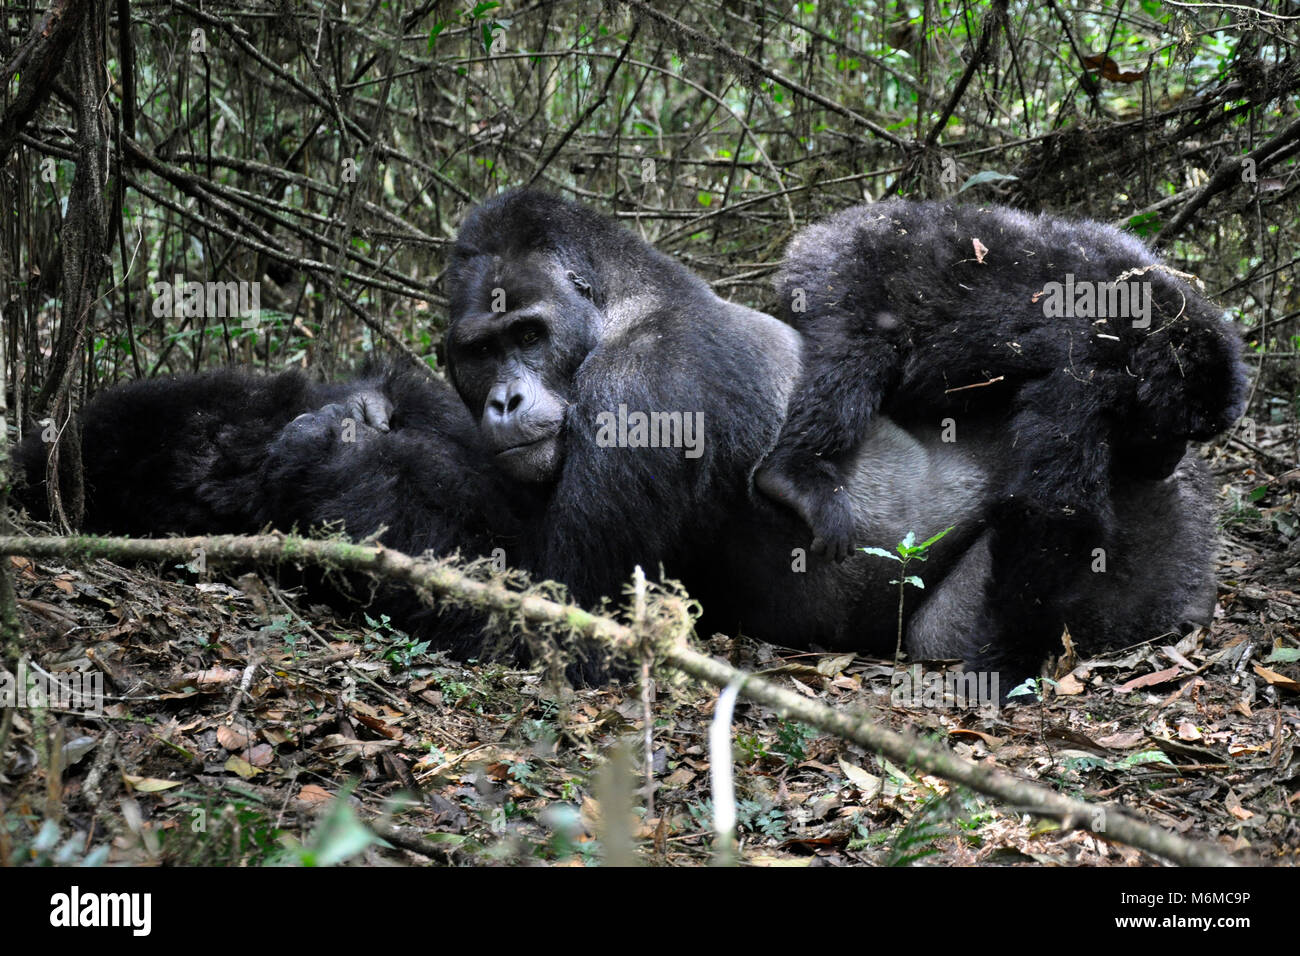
pixel 1152 574
pixel 848 372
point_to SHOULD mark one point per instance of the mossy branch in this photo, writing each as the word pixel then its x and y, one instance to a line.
pixel 669 617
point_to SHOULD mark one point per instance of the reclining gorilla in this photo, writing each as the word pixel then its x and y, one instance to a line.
pixel 561 323
pixel 1101 358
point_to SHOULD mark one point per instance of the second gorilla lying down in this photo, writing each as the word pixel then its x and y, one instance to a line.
pixel 233 451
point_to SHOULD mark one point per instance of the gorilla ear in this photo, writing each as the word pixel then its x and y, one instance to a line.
pixel 579 283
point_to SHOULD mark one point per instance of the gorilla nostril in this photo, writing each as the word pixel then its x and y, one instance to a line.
pixel 514 402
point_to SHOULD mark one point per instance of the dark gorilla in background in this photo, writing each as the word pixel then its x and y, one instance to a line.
pixel 235 452
pixel 929 311
pixel 232 451
pixel 559 316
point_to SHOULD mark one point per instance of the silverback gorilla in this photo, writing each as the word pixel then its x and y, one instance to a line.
pixel 561 324
pixel 561 321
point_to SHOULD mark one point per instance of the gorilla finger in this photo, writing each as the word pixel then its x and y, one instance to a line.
pixel 370 408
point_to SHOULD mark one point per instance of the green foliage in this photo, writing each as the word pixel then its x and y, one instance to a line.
pixel 750 748
pixel 751 817
pixel 907 551
pixel 792 739
pixel 392 644
pixel 50 846
pixel 1083 764
pixel 1033 688
pixel 339 837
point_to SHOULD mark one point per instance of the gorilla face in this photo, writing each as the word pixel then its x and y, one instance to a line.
pixel 517 336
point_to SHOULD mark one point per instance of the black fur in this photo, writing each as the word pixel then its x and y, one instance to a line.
pixel 236 452
pixel 639 331
pixel 901 312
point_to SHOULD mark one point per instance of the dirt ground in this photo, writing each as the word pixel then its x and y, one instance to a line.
pixel 242 726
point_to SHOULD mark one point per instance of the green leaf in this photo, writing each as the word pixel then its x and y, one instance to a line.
pixel 913 580
pixel 1028 689
pixel 340 837
pixel 881 553
pixel 1144 224
pixel 1146 756
pixel 929 541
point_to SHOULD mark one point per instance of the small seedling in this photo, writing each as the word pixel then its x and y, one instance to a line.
pixel 905 552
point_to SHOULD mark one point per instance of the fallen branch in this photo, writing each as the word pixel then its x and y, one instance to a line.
pixel 669 617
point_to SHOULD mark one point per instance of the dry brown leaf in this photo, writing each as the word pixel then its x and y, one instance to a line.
pixel 1276 679
pixel 680 777
pixel 242 767
pixel 868 783
pixel 968 732
pixel 213 675
pixel 1069 686
pixel 379 725
pixel 1149 680
pixel 803 688
pixel 315 793
pixel 234 737
pixel 149 784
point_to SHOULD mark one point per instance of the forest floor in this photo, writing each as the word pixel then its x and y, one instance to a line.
pixel 241 726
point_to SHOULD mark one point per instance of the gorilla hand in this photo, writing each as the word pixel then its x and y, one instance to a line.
pixel 369 406
pixel 367 411
pixel 823 505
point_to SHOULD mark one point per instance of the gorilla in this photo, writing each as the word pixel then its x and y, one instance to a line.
pixel 202 454
pixel 581 355
pixel 1099 358
pixel 613 379
pixel 233 451
pixel 236 452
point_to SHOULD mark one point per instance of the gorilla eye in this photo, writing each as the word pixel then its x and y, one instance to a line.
pixel 528 334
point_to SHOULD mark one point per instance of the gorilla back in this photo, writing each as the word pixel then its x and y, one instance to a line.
pixel 1104 359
